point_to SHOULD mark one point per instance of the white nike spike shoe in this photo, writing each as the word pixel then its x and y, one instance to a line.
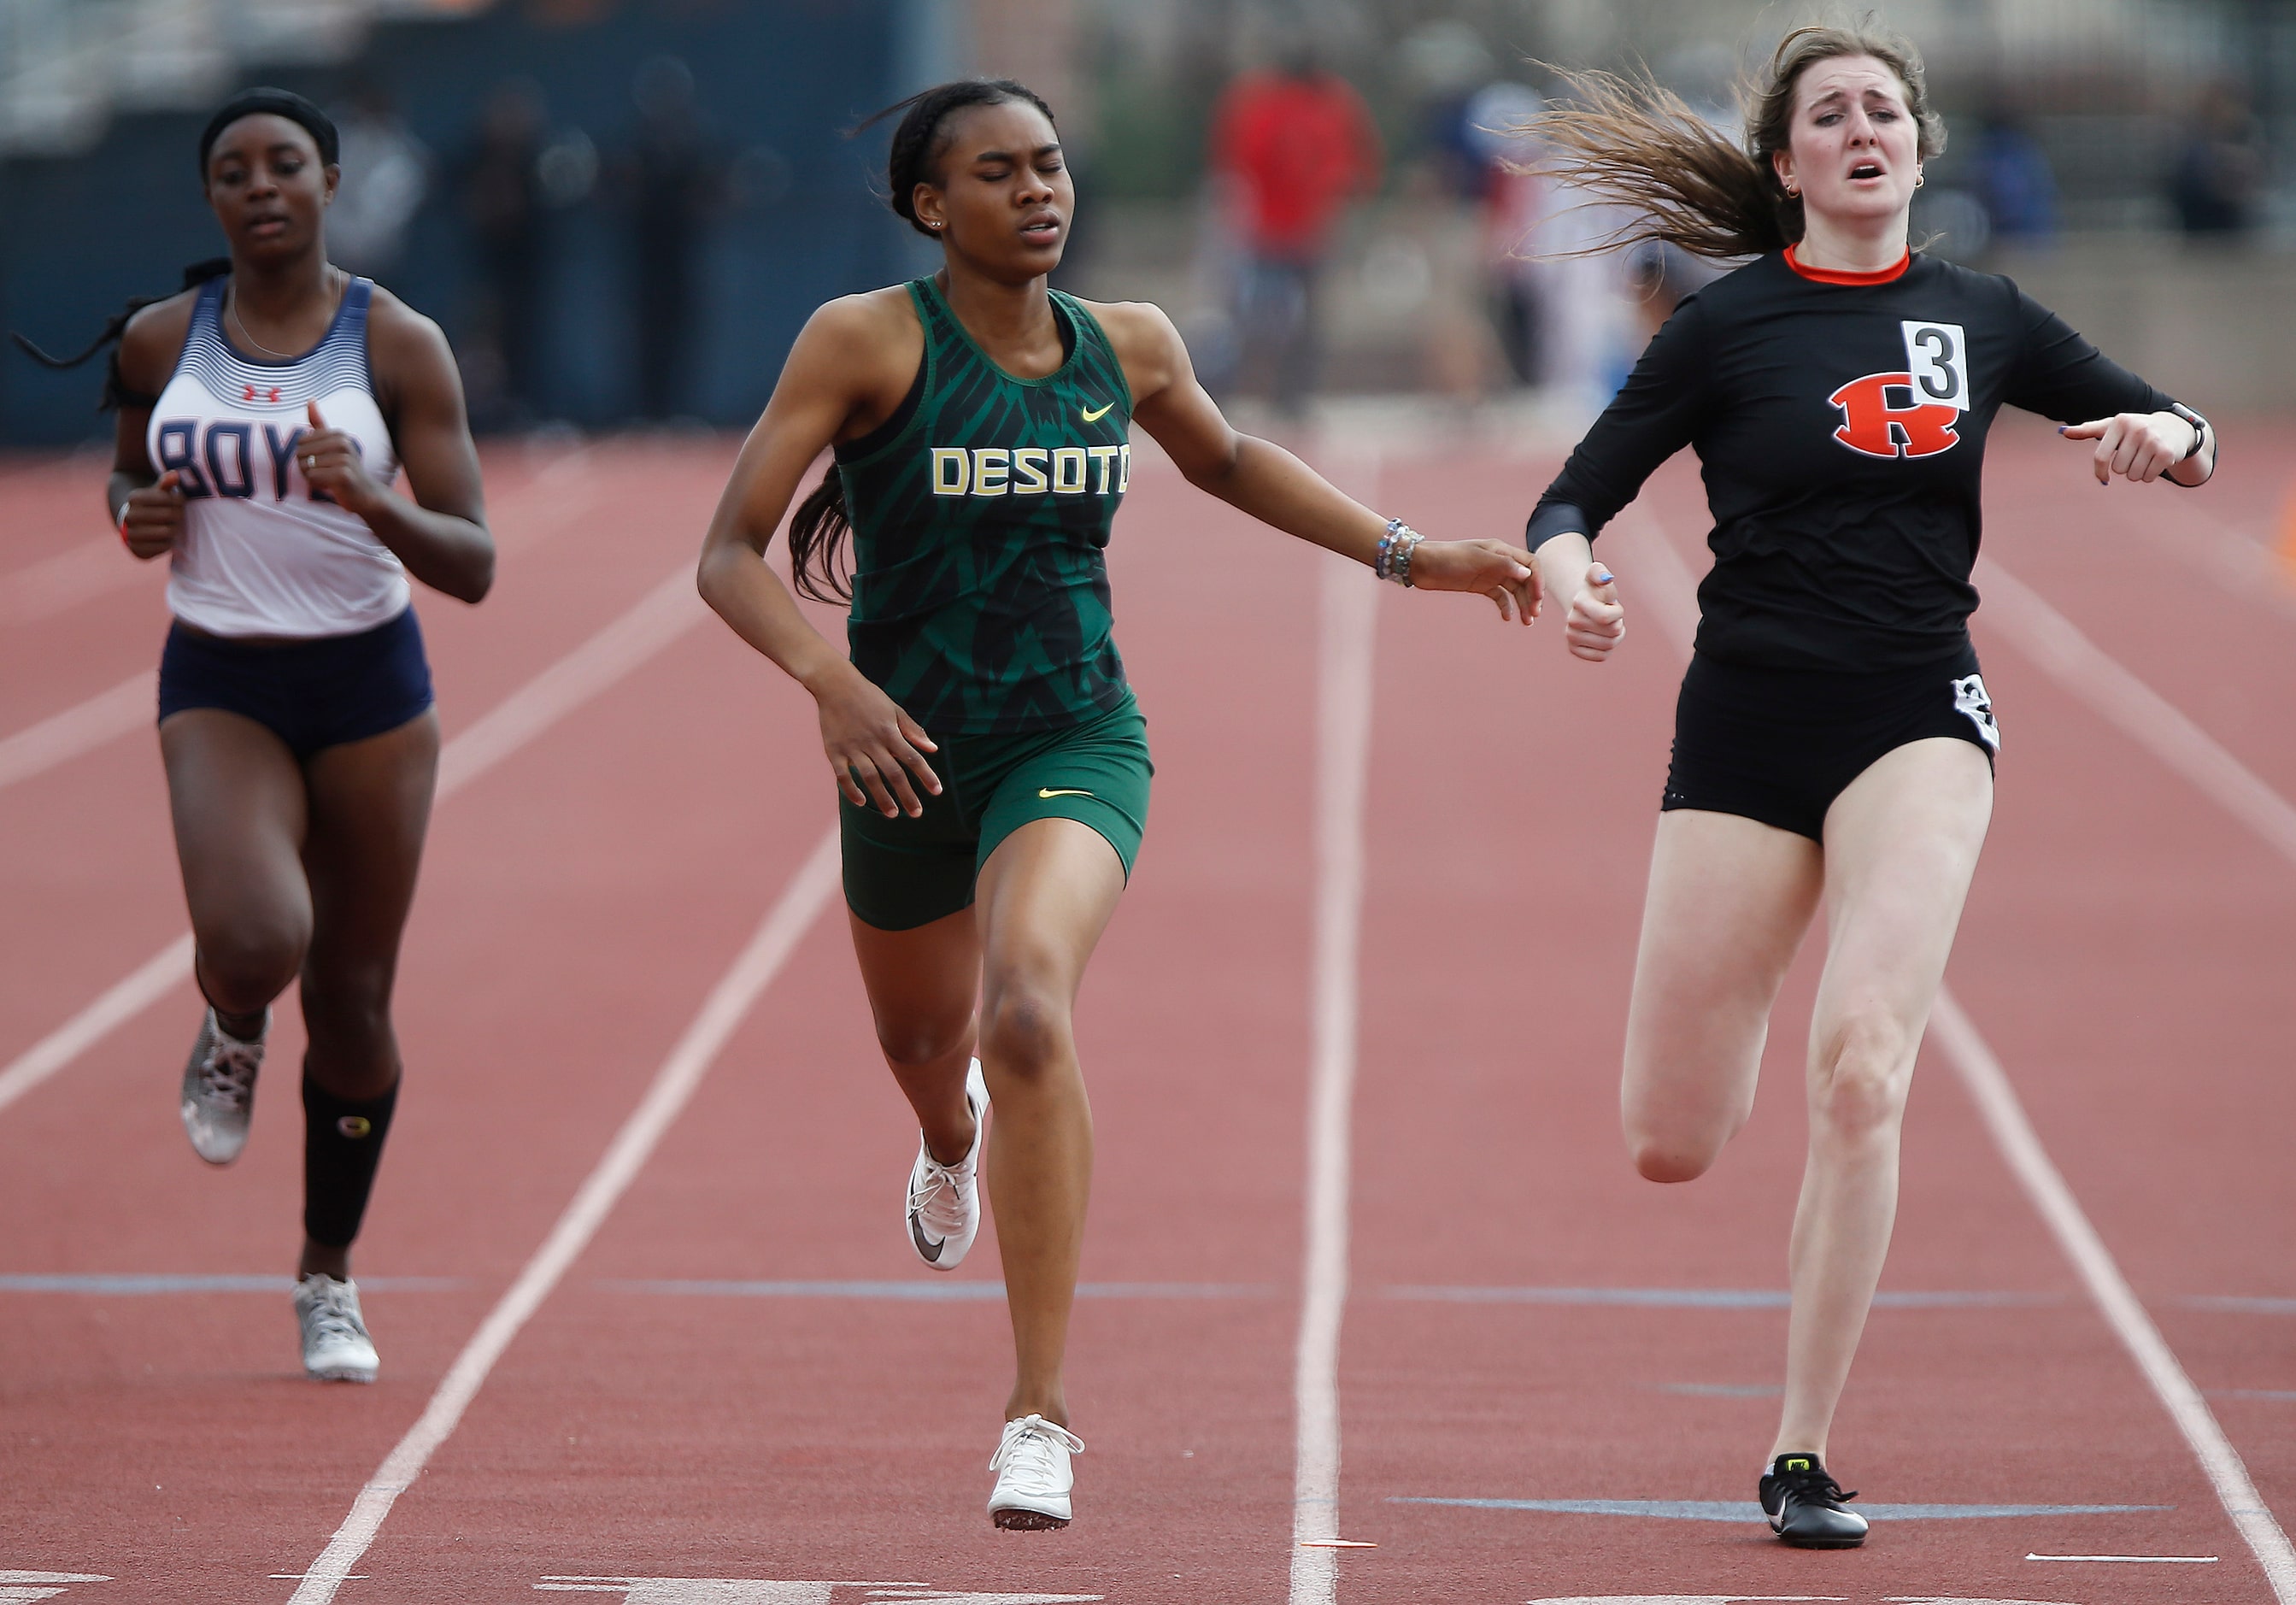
pixel 944 1210
pixel 1033 1477
pixel 336 1347
pixel 219 1090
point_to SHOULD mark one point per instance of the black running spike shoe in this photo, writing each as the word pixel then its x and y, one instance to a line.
pixel 1807 1508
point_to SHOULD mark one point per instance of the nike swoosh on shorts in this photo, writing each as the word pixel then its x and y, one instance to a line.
pixel 1045 790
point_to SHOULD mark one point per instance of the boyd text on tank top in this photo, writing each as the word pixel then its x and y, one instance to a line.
pixel 980 515
pixel 262 553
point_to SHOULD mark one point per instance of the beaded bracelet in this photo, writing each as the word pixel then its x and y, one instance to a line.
pixel 1394 549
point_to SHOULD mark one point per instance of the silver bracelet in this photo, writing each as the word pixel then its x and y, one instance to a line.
pixel 1395 549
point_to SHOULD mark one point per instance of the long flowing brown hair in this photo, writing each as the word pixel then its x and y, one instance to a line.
pixel 1629 140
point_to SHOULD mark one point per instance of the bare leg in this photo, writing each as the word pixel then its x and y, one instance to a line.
pixel 237 797
pixel 1901 843
pixel 1045 895
pixel 921 986
pixel 1728 903
pixel 370 807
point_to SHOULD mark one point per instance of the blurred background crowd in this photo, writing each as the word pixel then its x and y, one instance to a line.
pixel 622 210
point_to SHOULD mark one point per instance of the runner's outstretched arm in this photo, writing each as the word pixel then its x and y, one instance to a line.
pixel 1260 478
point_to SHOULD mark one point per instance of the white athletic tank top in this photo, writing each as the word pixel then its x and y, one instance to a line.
pixel 260 556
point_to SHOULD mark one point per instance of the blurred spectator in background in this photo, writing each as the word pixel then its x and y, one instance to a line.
pixel 1297 143
pixel 1512 195
pixel 386 171
pixel 503 200
pixel 670 181
pixel 2012 175
pixel 2219 173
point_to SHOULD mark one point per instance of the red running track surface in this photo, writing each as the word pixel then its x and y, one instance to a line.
pixel 737 1379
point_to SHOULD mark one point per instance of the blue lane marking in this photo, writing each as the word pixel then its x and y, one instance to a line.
pixel 2246 1306
pixel 1726 1390
pixel 1704 1298
pixel 1731 1510
pixel 130 1286
pixel 934 1291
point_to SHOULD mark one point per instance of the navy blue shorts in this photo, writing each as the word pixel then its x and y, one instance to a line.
pixel 312 695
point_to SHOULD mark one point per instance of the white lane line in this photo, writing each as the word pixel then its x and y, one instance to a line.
pixel 1344 691
pixel 2073 659
pixel 660 618
pixel 800 905
pixel 2012 1133
pixel 118 1004
pixel 2136 1560
pixel 43 589
pixel 2239 563
pixel 2086 670
pixel 665 612
pixel 61 737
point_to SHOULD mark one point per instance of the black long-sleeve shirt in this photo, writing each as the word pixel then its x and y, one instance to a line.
pixel 1840 421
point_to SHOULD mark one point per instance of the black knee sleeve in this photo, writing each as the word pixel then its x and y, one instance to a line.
pixel 343 1143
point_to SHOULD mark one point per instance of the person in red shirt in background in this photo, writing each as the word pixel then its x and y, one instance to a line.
pixel 1296 145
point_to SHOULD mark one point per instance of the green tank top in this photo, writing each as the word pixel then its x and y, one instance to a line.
pixel 980 515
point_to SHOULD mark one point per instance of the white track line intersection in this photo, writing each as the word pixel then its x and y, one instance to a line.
pixel 666 612
pixel 797 909
pixel 2003 1114
pixel 1344 689
pixel 2085 670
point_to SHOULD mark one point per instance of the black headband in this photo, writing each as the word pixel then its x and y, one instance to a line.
pixel 275 103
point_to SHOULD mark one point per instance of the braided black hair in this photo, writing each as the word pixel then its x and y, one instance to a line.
pixel 116 393
pixel 819 528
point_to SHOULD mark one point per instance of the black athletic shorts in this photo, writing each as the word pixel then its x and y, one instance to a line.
pixel 1779 745
pixel 311 694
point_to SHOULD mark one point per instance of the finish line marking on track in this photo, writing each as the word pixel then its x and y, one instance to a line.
pixel 28 1586
pixel 2070 657
pixel 736 1590
pixel 1348 633
pixel 665 612
pixel 1757 1599
pixel 792 914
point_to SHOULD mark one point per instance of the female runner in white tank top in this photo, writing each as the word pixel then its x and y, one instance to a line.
pixel 263 417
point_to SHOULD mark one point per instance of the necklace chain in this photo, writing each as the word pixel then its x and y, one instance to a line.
pixel 231 309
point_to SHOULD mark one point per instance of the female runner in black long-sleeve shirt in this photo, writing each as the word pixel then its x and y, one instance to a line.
pixel 1835 741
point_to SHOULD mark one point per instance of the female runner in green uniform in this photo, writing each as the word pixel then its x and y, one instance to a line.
pixel 993 765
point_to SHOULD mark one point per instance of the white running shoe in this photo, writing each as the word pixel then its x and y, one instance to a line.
pixel 944 1208
pixel 219 1090
pixel 1033 1478
pixel 336 1347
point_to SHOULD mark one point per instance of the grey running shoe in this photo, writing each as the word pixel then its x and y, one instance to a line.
pixel 219 1090
pixel 336 1347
